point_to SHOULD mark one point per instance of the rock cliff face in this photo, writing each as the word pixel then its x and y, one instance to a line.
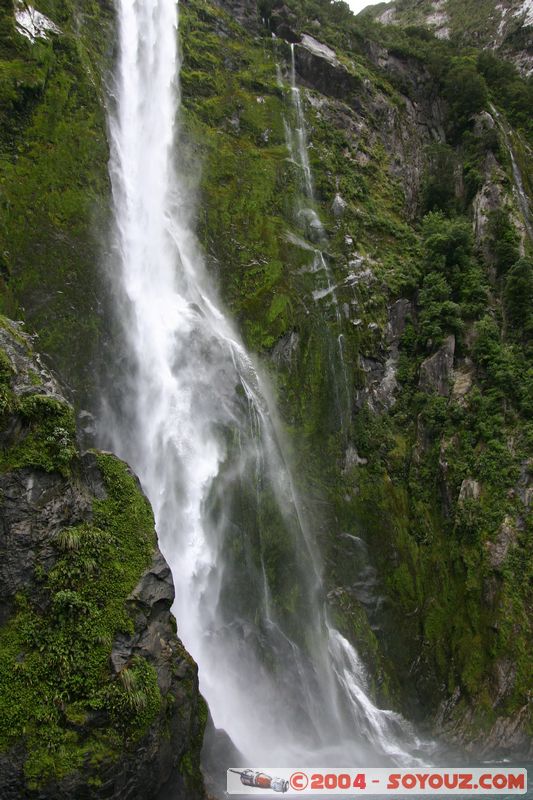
pixel 54 177
pixel 506 26
pixel 98 697
pixel 400 361
pixel 425 224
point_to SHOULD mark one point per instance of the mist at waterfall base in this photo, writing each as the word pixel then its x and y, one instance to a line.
pixel 195 420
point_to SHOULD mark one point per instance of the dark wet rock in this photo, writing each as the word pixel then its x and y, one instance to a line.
pixel 470 490
pixel 283 22
pixel 338 207
pixel 28 368
pixel 38 506
pixel 353 459
pixel 218 754
pixel 525 484
pixel 245 12
pixel 285 350
pixel 487 200
pixel 508 736
pixel 318 67
pixel 462 381
pixel 380 384
pixel 398 314
pixel 499 548
pixel 436 371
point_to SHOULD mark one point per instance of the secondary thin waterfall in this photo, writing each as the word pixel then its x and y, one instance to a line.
pixel 194 419
pixel 521 194
pixel 311 226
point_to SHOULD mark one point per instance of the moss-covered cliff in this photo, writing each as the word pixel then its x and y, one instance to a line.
pixel 54 195
pixel 401 361
pixel 412 436
pixel 506 26
pixel 98 697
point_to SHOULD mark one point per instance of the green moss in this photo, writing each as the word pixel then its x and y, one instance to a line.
pixel 430 549
pixel 134 701
pixel 54 655
pixel 48 438
pixel 190 761
pixel 6 374
pixel 53 178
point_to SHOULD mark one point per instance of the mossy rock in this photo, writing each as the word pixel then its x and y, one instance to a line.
pixel 84 703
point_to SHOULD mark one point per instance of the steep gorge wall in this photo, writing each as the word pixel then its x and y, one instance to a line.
pixel 420 485
pixel 54 213
pixel 423 494
pixel 98 697
pixel 505 27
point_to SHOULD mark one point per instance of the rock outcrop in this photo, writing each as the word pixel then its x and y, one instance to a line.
pixel 98 697
pixel 436 371
pixel 506 29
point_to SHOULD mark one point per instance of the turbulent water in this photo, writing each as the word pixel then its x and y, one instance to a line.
pixel 193 417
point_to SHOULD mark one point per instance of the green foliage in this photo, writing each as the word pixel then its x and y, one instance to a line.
pixel 439 315
pixel 518 298
pixel 489 353
pixel 466 92
pixel 6 374
pixel 453 288
pixel 404 501
pixel 505 240
pixel 237 119
pixel 475 147
pixel 510 90
pixel 44 435
pixel 54 653
pixel 134 700
pixel 448 244
pixel 438 189
pixel 53 178
pixel 506 370
pixel 48 437
pixel 190 761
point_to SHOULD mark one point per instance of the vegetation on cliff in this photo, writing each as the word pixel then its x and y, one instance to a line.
pixel 438 486
pixel 53 175
pixel 75 707
pixel 418 439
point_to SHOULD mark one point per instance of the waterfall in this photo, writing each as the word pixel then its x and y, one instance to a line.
pixel 521 194
pixel 311 226
pixel 298 145
pixel 194 418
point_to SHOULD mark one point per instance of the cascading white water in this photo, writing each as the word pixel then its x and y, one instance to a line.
pixel 522 197
pixel 194 419
pixel 313 228
pixel 301 133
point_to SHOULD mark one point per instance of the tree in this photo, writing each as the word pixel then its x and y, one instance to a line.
pixel 518 297
pixel 466 92
pixel 439 315
pixel 438 192
pixel 505 240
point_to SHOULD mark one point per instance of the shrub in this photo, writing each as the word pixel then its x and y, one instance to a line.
pixel 466 92
pixel 518 297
